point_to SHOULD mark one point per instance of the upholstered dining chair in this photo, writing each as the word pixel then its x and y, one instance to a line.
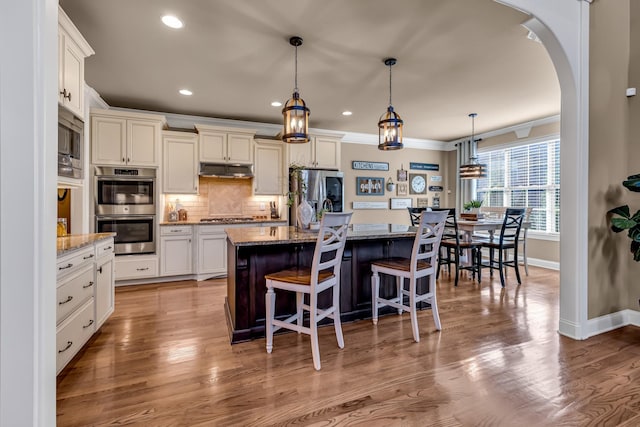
pixel 422 263
pixel 323 275
pixel 453 245
pixel 505 246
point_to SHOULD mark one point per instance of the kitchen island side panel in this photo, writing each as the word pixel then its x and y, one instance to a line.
pixel 249 264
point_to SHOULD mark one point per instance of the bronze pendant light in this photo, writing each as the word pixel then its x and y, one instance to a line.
pixel 390 123
pixel 295 111
pixel 473 169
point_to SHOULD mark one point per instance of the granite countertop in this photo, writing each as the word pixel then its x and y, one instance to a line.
pixel 198 222
pixel 77 241
pixel 254 236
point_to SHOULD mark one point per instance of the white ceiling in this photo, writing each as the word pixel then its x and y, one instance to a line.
pixel 454 57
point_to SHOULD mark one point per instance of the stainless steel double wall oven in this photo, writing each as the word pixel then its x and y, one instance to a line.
pixel 125 203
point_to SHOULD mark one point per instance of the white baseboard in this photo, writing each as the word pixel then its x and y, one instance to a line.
pixel 551 265
pixel 609 322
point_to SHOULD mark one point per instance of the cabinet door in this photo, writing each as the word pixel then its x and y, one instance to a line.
pixel 108 140
pixel 300 154
pixel 180 165
pixel 73 77
pixel 239 148
pixel 143 139
pixel 176 256
pixel 104 293
pixel 212 254
pixel 327 153
pixel 213 147
pixel 268 169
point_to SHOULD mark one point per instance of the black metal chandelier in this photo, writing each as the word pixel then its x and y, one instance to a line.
pixel 295 111
pixel 473 169
pixel 390 123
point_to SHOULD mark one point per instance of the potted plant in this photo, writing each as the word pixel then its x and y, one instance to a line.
pixel 623 220
pixel 472 206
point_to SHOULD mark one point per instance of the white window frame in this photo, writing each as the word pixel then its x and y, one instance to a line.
pixel 551 218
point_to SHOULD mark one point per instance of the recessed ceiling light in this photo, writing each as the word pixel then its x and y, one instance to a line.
pixel 186 92
pixel 347 113
pixel 276 104
pixel 172 21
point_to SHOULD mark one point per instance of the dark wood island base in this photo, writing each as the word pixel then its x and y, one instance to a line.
pixel 256 251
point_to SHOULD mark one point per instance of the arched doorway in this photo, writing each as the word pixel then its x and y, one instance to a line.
pixel 563 28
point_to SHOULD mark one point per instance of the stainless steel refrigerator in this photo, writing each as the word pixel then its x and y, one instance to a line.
pixel 323 190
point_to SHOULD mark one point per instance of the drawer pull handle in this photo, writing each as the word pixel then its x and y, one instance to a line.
pixel 90 323
pixel 88 256
pixel 69 344
pixel 107 248
pixel 69 298
pixel 176 231
pixel 142 269
pixel 100 270
pixel 65 267
pixel 87 286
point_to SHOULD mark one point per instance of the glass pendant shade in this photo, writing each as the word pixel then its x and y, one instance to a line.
pixel 296 120
pixel 473 169
pixel 390 131
pixel 295 113
pixel 390 123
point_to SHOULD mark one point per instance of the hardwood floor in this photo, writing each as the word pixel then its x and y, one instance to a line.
pixel 164 359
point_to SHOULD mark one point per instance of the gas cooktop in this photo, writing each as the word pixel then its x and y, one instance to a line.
pixel 228 220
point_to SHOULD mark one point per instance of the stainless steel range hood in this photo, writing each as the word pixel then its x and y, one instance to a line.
pixel 225 170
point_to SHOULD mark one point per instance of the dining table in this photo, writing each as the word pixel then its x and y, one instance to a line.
pixel 490 225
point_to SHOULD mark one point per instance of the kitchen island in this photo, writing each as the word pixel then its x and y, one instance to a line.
pixel 253 252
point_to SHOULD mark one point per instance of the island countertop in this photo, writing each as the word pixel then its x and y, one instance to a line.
pixel 256 236
pixel 76 241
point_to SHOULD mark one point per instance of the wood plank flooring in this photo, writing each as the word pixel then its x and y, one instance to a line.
pixel 164 359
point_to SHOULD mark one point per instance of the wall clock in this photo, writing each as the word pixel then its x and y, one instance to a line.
pixel 418 183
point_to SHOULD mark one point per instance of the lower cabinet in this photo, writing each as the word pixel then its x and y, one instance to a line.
pixel 176 248
pixel 212 252
pixel 129 267
pixel 85 296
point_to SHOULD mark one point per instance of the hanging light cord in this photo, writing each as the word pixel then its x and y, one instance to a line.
pixel 295 89
pixel 390 85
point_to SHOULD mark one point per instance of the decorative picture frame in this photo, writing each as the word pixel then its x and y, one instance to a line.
pixel 369 186
pixel 402 189
pixel 401 203
pixel 402 175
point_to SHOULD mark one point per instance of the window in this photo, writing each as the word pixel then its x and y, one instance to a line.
pixel 524 176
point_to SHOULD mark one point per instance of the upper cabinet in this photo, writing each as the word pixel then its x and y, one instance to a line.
pixel 322 152
pixel 225 145
pixel 269 172
pixel 121 138
pixel 180 162
pixel 72 49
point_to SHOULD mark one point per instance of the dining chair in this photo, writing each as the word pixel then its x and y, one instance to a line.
pixel 323 275
pixel 506 245
pixel 453 246
pixel 422 263
pixel 414 215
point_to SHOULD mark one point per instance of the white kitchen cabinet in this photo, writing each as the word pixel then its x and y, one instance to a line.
pixel 176 250
pixel 105 291
pixel 180 162
pixel 322 152
pixel 225 145
pixel 131 267
pixel 212 252
pixel 269 171
pixel 119 138
pixel 72 50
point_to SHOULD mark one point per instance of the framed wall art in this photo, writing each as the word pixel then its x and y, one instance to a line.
pixel 402 189
pixel 418 183
pixel 369 186
pixel 402 174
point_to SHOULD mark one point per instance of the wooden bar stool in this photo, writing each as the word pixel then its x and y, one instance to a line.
pixel 324 274
pixel 423 262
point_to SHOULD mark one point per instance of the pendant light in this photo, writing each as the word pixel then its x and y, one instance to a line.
pixel 390 124
pixel 473 169
pixel 295 111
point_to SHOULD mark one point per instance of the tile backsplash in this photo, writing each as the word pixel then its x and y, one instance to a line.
pixel 224 197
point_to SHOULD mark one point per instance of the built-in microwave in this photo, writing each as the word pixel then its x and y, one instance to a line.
pixel 70 142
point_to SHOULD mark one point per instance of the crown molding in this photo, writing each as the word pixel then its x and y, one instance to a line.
pixel 372 139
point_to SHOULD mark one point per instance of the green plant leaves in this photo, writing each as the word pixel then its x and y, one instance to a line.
pixel 632 183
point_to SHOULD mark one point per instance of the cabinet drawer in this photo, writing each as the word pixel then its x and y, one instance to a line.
pixel 136 268
pixel 104 248
pixel 174 230
pixel 73 333
pixel 73 261
pixel 212 229
pixel 73 291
